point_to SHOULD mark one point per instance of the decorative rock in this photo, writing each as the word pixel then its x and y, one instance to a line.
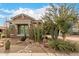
pixel 30 51
pixel 37 44
pixel 45 41
pixel 1 43
pixel 46 45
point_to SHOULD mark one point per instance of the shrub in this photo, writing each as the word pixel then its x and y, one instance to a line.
pixel 0 34
pixel 23 38
pixel 63 46
pixel 75 33
pixel 7 33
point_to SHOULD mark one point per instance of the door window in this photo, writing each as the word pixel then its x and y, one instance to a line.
pixel 23 29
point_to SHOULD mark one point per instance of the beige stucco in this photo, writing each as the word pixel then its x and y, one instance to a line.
pixel 22 19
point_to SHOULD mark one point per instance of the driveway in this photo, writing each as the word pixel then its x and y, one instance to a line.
pixel 73 37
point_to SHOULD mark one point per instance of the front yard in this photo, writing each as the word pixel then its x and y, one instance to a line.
pixel 31 47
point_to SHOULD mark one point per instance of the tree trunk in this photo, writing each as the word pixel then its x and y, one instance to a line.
pixel 56 33
pixel 64 37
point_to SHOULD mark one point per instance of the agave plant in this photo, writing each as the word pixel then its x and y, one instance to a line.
pixel 36 33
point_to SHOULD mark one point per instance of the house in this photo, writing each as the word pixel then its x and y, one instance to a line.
pixel 22 24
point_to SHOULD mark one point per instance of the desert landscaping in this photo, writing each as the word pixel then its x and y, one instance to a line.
pixel 55 34
pixel 29 47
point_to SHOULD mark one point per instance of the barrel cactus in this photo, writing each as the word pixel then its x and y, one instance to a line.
pixel 7 45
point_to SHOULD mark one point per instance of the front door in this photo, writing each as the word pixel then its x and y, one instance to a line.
pixel 23 29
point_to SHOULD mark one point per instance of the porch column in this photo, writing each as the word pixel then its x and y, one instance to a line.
pixel 16 29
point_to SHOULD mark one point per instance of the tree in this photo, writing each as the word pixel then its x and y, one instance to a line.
pixel 62 16
pixel 49 27
pixel 10 30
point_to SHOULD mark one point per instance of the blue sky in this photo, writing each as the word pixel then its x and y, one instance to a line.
pixel 23 5
pixel 7 9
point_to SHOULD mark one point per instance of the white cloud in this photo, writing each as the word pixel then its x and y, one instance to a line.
pixel 6 11
pixel 2 16
pixel 23 10
pixel 35 13
pixel 41 11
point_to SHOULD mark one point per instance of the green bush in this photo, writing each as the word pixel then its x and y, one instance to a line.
pixel 23 38
pixel 63 46
pixel 75 33
pixel 0 34
pixel 7 33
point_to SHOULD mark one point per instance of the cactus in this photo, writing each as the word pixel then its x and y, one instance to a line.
pixel 7 45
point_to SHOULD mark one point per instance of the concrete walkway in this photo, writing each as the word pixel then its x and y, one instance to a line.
pixel 39 50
